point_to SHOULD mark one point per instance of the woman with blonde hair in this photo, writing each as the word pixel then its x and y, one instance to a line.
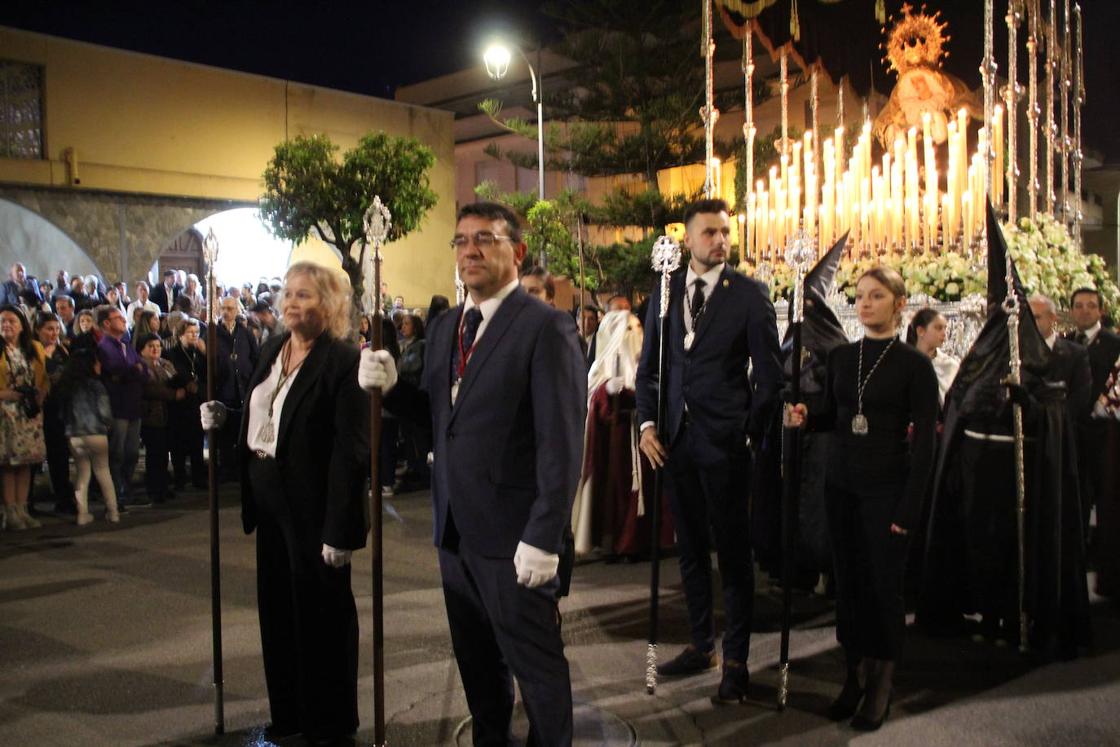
pixel 881 403
pixel 304 450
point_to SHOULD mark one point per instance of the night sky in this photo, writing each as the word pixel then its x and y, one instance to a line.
pixel 374 47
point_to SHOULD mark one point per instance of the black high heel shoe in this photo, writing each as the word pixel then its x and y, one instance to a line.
pixel 846 703
pixel 862 723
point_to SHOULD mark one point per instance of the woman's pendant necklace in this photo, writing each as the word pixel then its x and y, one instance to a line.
pixel 859 420
pixel 267 434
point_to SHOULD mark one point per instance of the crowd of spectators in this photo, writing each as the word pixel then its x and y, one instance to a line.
pixel 98 378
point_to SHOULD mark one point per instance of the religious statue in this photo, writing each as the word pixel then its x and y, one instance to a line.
pixel 915 47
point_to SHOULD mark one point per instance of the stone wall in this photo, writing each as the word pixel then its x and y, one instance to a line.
pixel 122 234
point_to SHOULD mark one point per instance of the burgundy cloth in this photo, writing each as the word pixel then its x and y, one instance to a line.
pixel 615 524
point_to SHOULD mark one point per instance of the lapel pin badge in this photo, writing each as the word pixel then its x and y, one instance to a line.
pixel 726 283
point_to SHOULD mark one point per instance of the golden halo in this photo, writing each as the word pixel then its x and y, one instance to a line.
pixel 916 40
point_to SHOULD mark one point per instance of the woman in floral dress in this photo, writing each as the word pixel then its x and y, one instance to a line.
pixel 23 387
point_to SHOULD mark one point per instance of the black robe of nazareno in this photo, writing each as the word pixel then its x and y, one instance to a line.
pixel 972 543
pixel 821 332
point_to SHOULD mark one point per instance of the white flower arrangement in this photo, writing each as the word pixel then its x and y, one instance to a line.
pixel 1045 255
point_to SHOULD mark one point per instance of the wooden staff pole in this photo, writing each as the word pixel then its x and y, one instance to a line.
pixel 210 250
pixel 377 224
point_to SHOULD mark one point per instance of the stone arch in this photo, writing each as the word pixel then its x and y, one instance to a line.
pixel 122 234
pixel 40 245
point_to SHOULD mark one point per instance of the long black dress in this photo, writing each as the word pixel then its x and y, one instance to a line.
pixel 873 481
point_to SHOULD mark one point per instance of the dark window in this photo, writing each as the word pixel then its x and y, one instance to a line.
pixel 21 110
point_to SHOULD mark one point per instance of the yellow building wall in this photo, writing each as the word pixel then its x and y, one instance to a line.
pixel 144 124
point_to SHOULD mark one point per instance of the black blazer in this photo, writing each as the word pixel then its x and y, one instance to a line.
pixel 322 447
pixel 508 454
pixel 158 296
pixel 1103 352
pixel 1070 365
pixel 738 328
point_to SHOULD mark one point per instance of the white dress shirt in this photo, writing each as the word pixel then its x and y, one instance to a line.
pixel 710 278
pixel 258 407
pixel 489 308
pixel 148 305
pixel 1090 334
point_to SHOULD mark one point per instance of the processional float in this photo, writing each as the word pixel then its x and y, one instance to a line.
pixel 822 189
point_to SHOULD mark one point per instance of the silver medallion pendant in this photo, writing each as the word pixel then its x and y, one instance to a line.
pixel 859 424
pixel 688 337
pixel 266 434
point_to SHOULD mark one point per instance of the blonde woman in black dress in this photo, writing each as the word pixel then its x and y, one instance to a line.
pixel 882 404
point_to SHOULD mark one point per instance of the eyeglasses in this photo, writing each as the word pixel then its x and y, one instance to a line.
pixel 482 239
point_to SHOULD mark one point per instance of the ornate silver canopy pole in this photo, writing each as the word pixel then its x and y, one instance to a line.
pixel 1014 17
pixel 1032 107
pixel 709 113
pixel 377 222
pixel 800 254
pixel 748 132
pixel 1078 102
pixel 784 85
pixel 665 258
pixel 1064 138
pixel 210 249
pixel 814 105
pixel 988 70
pixel 1049 132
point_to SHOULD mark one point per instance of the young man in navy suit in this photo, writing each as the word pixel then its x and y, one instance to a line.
pixel 724 378
pixel 504 390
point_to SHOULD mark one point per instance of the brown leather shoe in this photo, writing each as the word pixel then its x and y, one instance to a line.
pixel 733 686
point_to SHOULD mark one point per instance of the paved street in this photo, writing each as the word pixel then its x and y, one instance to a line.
pixel 105 640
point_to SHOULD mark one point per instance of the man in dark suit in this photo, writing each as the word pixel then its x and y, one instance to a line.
pixel 164 294
pixel 504 390
pixel 1100 440
pixel 17 283
pixel 719 322
pixel 1070 363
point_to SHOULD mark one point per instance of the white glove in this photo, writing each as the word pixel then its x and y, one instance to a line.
pixel 377 371
pixel 334 557
pixel 614 385
pixel 213 414
pixel 534 567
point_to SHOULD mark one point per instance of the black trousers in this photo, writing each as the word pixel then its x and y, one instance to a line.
pixel 499 628
pixel 708 495
pixel 155 461
pixel 226 437
pixel 185 436
pixel 309 623
pixel 869 563
pixel 58 453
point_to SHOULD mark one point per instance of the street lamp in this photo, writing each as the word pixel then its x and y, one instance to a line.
pixel 497 58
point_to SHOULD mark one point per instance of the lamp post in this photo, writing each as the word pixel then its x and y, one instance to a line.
pixel 497 58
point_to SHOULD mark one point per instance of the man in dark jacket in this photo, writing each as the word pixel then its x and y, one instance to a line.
pixel 236 360
pixel 164 294
pixel 721 324
pixel 17 283
pixel 123 375
pixel 506 371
